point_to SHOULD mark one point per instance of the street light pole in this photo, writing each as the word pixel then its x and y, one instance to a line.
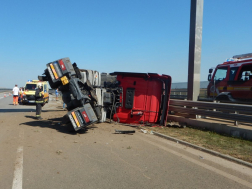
pixel 196 18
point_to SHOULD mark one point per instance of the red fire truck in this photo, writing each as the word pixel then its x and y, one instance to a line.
pixel 232 80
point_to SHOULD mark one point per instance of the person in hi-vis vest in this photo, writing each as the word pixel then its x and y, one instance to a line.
pixel 39 94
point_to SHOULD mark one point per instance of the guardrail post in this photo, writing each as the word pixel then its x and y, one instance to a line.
pixel 197 116
pixel 236 123
pixel 215 102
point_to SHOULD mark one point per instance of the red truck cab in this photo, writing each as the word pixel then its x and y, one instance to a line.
pixel 232 80
pixel 145 98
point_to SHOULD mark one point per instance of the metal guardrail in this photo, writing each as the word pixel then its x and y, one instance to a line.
pixel 235 112
pixel 178 96
pixel 182 94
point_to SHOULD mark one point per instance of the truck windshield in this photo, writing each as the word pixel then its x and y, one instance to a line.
pixel 221 73
pixel 30 86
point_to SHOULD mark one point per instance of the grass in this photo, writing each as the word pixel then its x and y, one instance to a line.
pixel 235 147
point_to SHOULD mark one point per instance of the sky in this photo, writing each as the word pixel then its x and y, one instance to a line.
pixel 117 35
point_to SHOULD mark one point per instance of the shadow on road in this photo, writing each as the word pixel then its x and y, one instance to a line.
pixel 16 110
pixel 53 110
pixel 55 123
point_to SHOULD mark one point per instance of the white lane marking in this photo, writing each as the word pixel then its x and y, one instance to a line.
pixel 18 171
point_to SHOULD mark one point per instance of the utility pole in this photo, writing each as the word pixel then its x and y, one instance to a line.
pixel 196 18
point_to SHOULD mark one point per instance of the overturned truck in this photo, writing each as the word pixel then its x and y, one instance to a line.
pixel 125 97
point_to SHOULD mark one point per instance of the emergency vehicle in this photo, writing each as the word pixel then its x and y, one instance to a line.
pixel 232 80
pixel 29 91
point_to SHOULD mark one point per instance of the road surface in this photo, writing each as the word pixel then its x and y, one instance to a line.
pixel 43 154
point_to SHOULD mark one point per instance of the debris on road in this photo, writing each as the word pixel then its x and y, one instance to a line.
pixel 124 131
pixel 58 152
pixel 144 131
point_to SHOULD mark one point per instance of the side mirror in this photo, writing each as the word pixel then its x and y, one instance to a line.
pixel 209 77
pixel 210 70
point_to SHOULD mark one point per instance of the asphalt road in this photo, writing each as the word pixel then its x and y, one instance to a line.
pixel 43 154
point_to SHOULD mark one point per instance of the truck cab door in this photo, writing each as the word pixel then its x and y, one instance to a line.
pixel 232 82
pixel 219 81
pixel 242 85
